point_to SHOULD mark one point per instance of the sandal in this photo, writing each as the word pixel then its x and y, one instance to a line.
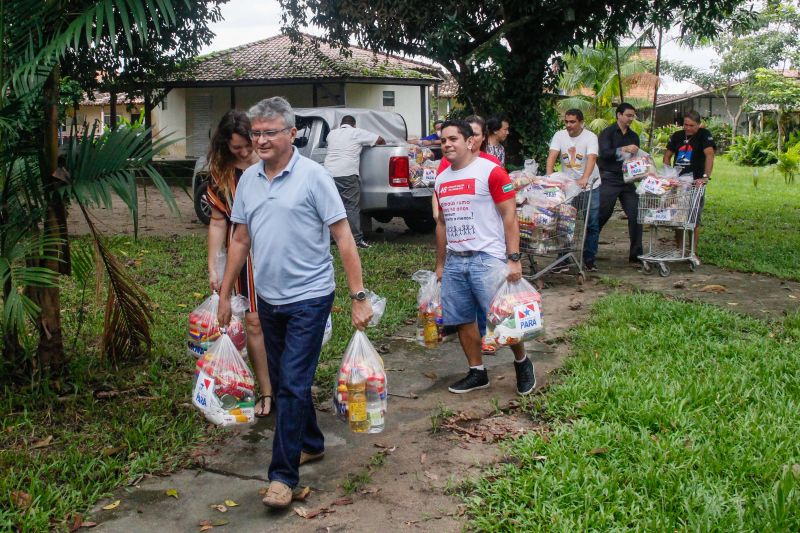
pixel 260 401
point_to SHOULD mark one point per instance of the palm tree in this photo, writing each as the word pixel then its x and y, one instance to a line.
pixel 594 79
pixel 37 182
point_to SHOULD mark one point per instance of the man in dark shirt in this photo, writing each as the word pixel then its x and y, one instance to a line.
pixel 612 141
pixel 693 148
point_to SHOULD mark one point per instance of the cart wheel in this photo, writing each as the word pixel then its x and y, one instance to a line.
pixel 692 266
pixel 647 268
pixel 663 270
pixel 539 284
pixel 580 279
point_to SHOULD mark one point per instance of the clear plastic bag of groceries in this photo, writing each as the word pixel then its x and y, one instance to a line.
pixel 204 330
pixel 362 379
pixel 224 389
pixel 378 304
pixel 515 313
pixel 636 166
pixel 429 309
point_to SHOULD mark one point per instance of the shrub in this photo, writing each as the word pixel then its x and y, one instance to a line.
pixel 721 131
pixel 661 137
pixel 756 151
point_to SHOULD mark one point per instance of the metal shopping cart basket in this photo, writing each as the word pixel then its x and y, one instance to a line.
pixel 555 235
pixel 676 211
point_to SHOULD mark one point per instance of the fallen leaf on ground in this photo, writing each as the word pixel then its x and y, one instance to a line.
pixel 422 458
pixel 410 321
pixel 21 499
pixel 383 348
pixel 380 445
pixel 112 505
pixel 539 457
pixel 575 306
pixel 431 475
pixel 371 490
pixel 197 295
pixel 597 451
pixel 430 375
pixel 47 441
pixel 714 288
pixel 792 296
pixel 75 522
pixel 263 491
pixel 342 501
pixel 231 503
pixel 302 494
pixel 219 522
pixel 108 452
pixel 336 309
pixel 182 306
pixel 733 303
pixel 88 525
pixel 219 507
pixel 679 284
pixel 206 527
pixel 301 511
pixel 172 492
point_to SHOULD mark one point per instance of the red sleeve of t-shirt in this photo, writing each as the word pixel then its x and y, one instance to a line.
pixel 443 164
pixel 491 158
pixel 500 186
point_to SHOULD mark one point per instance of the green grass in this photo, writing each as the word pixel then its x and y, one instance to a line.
pixel 751 228
pixel 670 417
pixel 101 444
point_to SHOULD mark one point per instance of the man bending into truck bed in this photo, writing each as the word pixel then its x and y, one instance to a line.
pixel 342 161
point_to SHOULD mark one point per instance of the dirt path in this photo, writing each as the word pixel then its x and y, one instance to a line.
pixel 402 477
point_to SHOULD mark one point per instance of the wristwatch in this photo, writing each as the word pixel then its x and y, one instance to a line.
pixel 360 295
pixel 705 176
pixel 516 256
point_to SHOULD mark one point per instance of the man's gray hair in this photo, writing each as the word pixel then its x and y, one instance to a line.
pixel 269 108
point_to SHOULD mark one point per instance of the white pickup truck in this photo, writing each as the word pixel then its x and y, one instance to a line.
pixel 384 170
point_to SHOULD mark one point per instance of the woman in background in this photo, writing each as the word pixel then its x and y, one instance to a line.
pixel 231 152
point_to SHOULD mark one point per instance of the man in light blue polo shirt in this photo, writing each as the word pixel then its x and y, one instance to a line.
pixel 287 208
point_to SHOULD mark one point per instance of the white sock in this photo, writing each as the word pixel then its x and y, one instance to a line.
pixel 479 367
pixel 520 360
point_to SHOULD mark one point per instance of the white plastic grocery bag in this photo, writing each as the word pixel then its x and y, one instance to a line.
pixel 224 389
pixel 204 330
pixel 429 309
pixel 362 357
pixel 515 313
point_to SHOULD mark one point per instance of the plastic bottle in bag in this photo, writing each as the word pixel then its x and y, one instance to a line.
pixel 376 398
pixel 357 401
pixel 429 309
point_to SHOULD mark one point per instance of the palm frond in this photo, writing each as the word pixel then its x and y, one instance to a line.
pixel 128 317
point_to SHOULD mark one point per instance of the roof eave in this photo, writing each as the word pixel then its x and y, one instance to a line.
pixel 188 84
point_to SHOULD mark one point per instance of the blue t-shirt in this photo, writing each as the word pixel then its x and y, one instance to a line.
pixel 288 221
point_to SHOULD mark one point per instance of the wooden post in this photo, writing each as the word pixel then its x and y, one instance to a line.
pixel 113 103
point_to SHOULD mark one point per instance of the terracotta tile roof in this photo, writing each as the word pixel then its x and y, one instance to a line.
pixel 271 59
pixel 97 99
pixel 449 87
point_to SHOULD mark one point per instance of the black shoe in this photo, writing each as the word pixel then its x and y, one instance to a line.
pixel 526 377
pixel 362 244
pixel 475 379
pixel 589 266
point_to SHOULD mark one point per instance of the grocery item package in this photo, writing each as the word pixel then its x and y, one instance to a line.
pixel 515 313
pixel 360 396
pixel 328 330
pixel 204 330
pixel 224 389
pixel 636 166
pixel 429 309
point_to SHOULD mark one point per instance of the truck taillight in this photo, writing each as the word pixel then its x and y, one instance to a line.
pixel 398 171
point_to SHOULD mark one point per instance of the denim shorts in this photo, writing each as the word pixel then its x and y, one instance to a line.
pixel 468 286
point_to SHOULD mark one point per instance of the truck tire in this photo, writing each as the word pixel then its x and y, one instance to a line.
pixel 201 205
pixel 420 223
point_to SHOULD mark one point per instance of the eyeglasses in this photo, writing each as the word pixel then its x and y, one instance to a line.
pixel 269 134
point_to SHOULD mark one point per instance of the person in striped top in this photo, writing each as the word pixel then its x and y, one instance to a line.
pixel 230 153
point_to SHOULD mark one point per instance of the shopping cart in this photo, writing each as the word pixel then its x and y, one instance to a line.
pixel 676 211
pixel 555 235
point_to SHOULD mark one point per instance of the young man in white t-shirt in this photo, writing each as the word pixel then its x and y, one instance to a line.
pixel 476 233
pixel 577 150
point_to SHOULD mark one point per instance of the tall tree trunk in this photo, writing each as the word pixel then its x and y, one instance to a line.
pixel 780 128
pixel 619 75
pixel 655 92
pixel 51 343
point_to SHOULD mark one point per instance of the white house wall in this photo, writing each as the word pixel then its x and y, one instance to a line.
pixel 172 120
pixel 297 95
pixel 406 99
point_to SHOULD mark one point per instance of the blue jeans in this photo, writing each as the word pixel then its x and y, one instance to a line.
pixel 592 227
pixel 468 286
pixel 293 338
